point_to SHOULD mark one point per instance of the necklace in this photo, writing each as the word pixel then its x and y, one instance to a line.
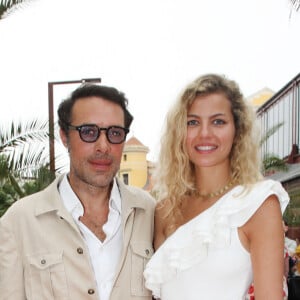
pixel 215 194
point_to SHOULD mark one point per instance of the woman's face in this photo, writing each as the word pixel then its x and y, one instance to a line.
pixel 210 131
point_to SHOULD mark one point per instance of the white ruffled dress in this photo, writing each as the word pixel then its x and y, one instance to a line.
pixel 204 259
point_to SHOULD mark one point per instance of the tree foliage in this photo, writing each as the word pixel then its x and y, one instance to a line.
pixel 9 6
pixel 295 4
pixel 272 162
pixel 23 161
pixel 24 145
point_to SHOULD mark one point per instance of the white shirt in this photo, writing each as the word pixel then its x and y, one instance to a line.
pixel 105 255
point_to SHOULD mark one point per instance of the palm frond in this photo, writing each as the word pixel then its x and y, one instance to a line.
pixel 6 200
pixel 17 133
pixel 3 167
pixel 270 132
pixel 42 177
pixel 272 162
pixel 295 4
pixel 24 145
pixel 7 7
pixel 27 158
pixel 7 176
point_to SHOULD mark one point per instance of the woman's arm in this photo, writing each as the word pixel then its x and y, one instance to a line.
pixel 265 236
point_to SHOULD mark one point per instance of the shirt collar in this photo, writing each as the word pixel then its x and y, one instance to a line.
pixel 73 204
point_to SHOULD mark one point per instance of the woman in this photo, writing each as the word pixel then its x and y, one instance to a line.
pixel 218 224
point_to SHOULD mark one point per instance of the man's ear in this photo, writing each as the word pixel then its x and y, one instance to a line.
pixel 63 137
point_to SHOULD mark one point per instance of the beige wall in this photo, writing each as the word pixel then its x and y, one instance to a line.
pixel 135 166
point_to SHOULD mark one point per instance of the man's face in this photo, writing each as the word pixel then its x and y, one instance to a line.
pixel 94 164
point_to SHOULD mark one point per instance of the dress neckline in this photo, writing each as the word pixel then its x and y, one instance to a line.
pixel 208 210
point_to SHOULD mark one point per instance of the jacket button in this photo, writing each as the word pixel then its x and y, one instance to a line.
pixel 43 261
pixel 91 291
pixel 147 251
pixel 79 250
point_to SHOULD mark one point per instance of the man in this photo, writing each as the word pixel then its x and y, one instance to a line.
pixel 87 235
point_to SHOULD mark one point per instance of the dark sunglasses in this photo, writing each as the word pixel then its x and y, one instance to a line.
pixel 90 133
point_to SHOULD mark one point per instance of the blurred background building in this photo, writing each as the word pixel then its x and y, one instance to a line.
pixel 135 169
pixel 283 108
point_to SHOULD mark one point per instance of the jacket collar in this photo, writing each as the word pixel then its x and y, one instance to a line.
pixel 130 199
pixel 51 199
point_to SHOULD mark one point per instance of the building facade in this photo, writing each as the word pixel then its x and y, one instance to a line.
pixel 283 109
pixel 135 169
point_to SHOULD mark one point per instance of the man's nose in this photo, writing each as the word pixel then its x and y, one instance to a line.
pixel 102 144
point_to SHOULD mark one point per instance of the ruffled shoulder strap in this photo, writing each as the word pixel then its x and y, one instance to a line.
pixel 243 203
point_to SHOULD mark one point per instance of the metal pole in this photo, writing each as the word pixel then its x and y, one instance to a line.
pixel 51 128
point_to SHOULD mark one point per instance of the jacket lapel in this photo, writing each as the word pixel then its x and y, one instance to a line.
pixel 130 202
pixel 54 204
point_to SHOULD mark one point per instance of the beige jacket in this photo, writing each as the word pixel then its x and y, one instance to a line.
pixel 43 255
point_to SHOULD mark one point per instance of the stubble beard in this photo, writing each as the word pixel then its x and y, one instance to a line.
pixel 97 179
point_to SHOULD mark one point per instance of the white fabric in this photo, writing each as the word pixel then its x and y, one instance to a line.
pixel 290 245
pixel 204 259
pixel 104 255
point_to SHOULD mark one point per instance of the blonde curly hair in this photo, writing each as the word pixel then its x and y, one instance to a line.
pixel 175 174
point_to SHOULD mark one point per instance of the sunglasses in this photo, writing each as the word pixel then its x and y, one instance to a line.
pixel 90 133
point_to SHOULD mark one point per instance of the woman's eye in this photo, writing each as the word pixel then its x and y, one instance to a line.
pixel 218 122
pixel 192 122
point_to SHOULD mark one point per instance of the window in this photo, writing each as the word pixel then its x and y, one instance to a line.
pixel 125 178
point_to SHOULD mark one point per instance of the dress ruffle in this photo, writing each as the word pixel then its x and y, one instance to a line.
pixel 233 210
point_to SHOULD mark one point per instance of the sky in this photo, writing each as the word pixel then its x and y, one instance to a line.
pixel 150 50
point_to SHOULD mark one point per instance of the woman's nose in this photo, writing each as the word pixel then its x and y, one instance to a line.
pixel 204 130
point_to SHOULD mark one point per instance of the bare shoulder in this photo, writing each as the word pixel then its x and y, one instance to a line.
pixel 266 222
pixel 268 212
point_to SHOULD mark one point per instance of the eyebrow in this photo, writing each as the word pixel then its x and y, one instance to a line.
pixel 213 116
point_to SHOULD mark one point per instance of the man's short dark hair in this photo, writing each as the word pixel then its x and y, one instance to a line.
pixel 92 90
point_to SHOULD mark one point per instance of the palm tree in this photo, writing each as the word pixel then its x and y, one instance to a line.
pixel 9 6
pixel 273 163
pixel 295 4
pixel 7 177
pixel 24 162
pixel 24 146
pixel 12 189
pixel 270 161
pixel 41 179
pixel 7 197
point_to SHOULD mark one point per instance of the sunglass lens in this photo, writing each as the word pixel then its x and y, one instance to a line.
pixel 89 133
pixel 116 135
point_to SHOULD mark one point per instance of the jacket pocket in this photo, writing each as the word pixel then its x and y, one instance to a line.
pixel 141 252
pixel 47 278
